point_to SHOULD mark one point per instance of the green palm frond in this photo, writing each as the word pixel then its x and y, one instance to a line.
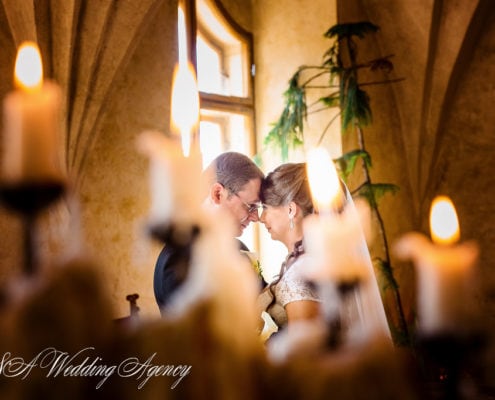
pixel 358 29
pixel 331 101
pixel 372 192
pixel 355 105
pixel 287 131
pixel 347 162
pixel 386 270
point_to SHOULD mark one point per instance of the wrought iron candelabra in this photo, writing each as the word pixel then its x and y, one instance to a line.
pixel 447 357
pixel 29 199
pixel 174 234
pixel 335 295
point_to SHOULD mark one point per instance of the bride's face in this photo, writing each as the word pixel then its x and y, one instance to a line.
pixel 276 221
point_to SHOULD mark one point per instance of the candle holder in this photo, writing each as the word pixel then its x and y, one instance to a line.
pixel 28 199
pixel 335 296
pixel 445 357
pixel 133 307
pixel 179 240
pixel 174 234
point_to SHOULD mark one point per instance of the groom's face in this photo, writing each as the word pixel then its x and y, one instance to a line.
pixel 242 205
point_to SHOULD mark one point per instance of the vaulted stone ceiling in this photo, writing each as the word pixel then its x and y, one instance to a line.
pixel 85 46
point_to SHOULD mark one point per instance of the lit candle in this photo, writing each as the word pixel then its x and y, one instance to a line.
pixel 215 265
pixel 31 123
pixel 175 165
pixel 332 239
pixel 444 271
pixel 338 255
pixel 174 181
pixel 324 181
pixel 185 106
pixel 185 95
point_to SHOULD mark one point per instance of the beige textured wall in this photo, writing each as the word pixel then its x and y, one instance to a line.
pixel 287 34
pixel 115 193
pixel 10 225
pixel 113 186
pixel 241 12
pixel 433 133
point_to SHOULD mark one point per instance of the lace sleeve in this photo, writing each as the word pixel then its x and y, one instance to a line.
pixel 294 287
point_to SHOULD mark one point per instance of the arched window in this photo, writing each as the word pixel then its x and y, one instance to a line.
pixel 222 53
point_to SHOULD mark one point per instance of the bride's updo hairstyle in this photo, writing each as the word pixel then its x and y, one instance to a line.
pixel 288 182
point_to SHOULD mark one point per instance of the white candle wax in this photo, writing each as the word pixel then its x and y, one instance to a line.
pixel 330 238
pixel 444 282
pixel 217 258
pixel 31 135
pixel 31 123
pixel 333 241
pixel 326 190
pixel 216 268
pixel 174 180
pixel 338 254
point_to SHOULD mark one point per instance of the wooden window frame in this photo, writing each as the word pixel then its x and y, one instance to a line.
pixel 210 101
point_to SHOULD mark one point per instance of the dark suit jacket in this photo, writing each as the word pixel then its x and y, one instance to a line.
pixel 171 270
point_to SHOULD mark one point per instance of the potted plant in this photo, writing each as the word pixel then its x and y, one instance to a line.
pixel 340 69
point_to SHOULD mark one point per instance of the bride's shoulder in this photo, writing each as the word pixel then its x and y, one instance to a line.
pixel 299 265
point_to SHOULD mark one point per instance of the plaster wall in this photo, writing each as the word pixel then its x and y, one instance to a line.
pixel 11 248
pixel 287 34
pixel 105 217
pixel 115 193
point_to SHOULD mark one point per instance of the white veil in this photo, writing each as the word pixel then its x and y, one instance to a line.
pixel 338 251
pixel 367 299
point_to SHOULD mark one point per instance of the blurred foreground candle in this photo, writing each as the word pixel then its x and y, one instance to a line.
pixel 331 238
pixel 185 106
pixel 174 180
pixel 324 181
pixel 31 123
pixel 175 165
pixel 185 95
pixel 339 260
pixel 445 271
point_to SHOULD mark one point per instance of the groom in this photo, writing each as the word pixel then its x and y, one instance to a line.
pixel 234 187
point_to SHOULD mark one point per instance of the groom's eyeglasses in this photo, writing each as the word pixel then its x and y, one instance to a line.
pixel 251 208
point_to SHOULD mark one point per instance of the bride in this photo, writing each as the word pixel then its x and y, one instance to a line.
pixel 291 298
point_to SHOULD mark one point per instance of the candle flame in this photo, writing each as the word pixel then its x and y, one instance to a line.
pixel 28 67
pixel 323 179
pixel 185 95
pixel 185 103
pixel 444 225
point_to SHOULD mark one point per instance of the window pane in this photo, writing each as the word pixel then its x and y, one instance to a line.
pixel 209 68
pixel 231 61
pixel 225 131
pixel 210 141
